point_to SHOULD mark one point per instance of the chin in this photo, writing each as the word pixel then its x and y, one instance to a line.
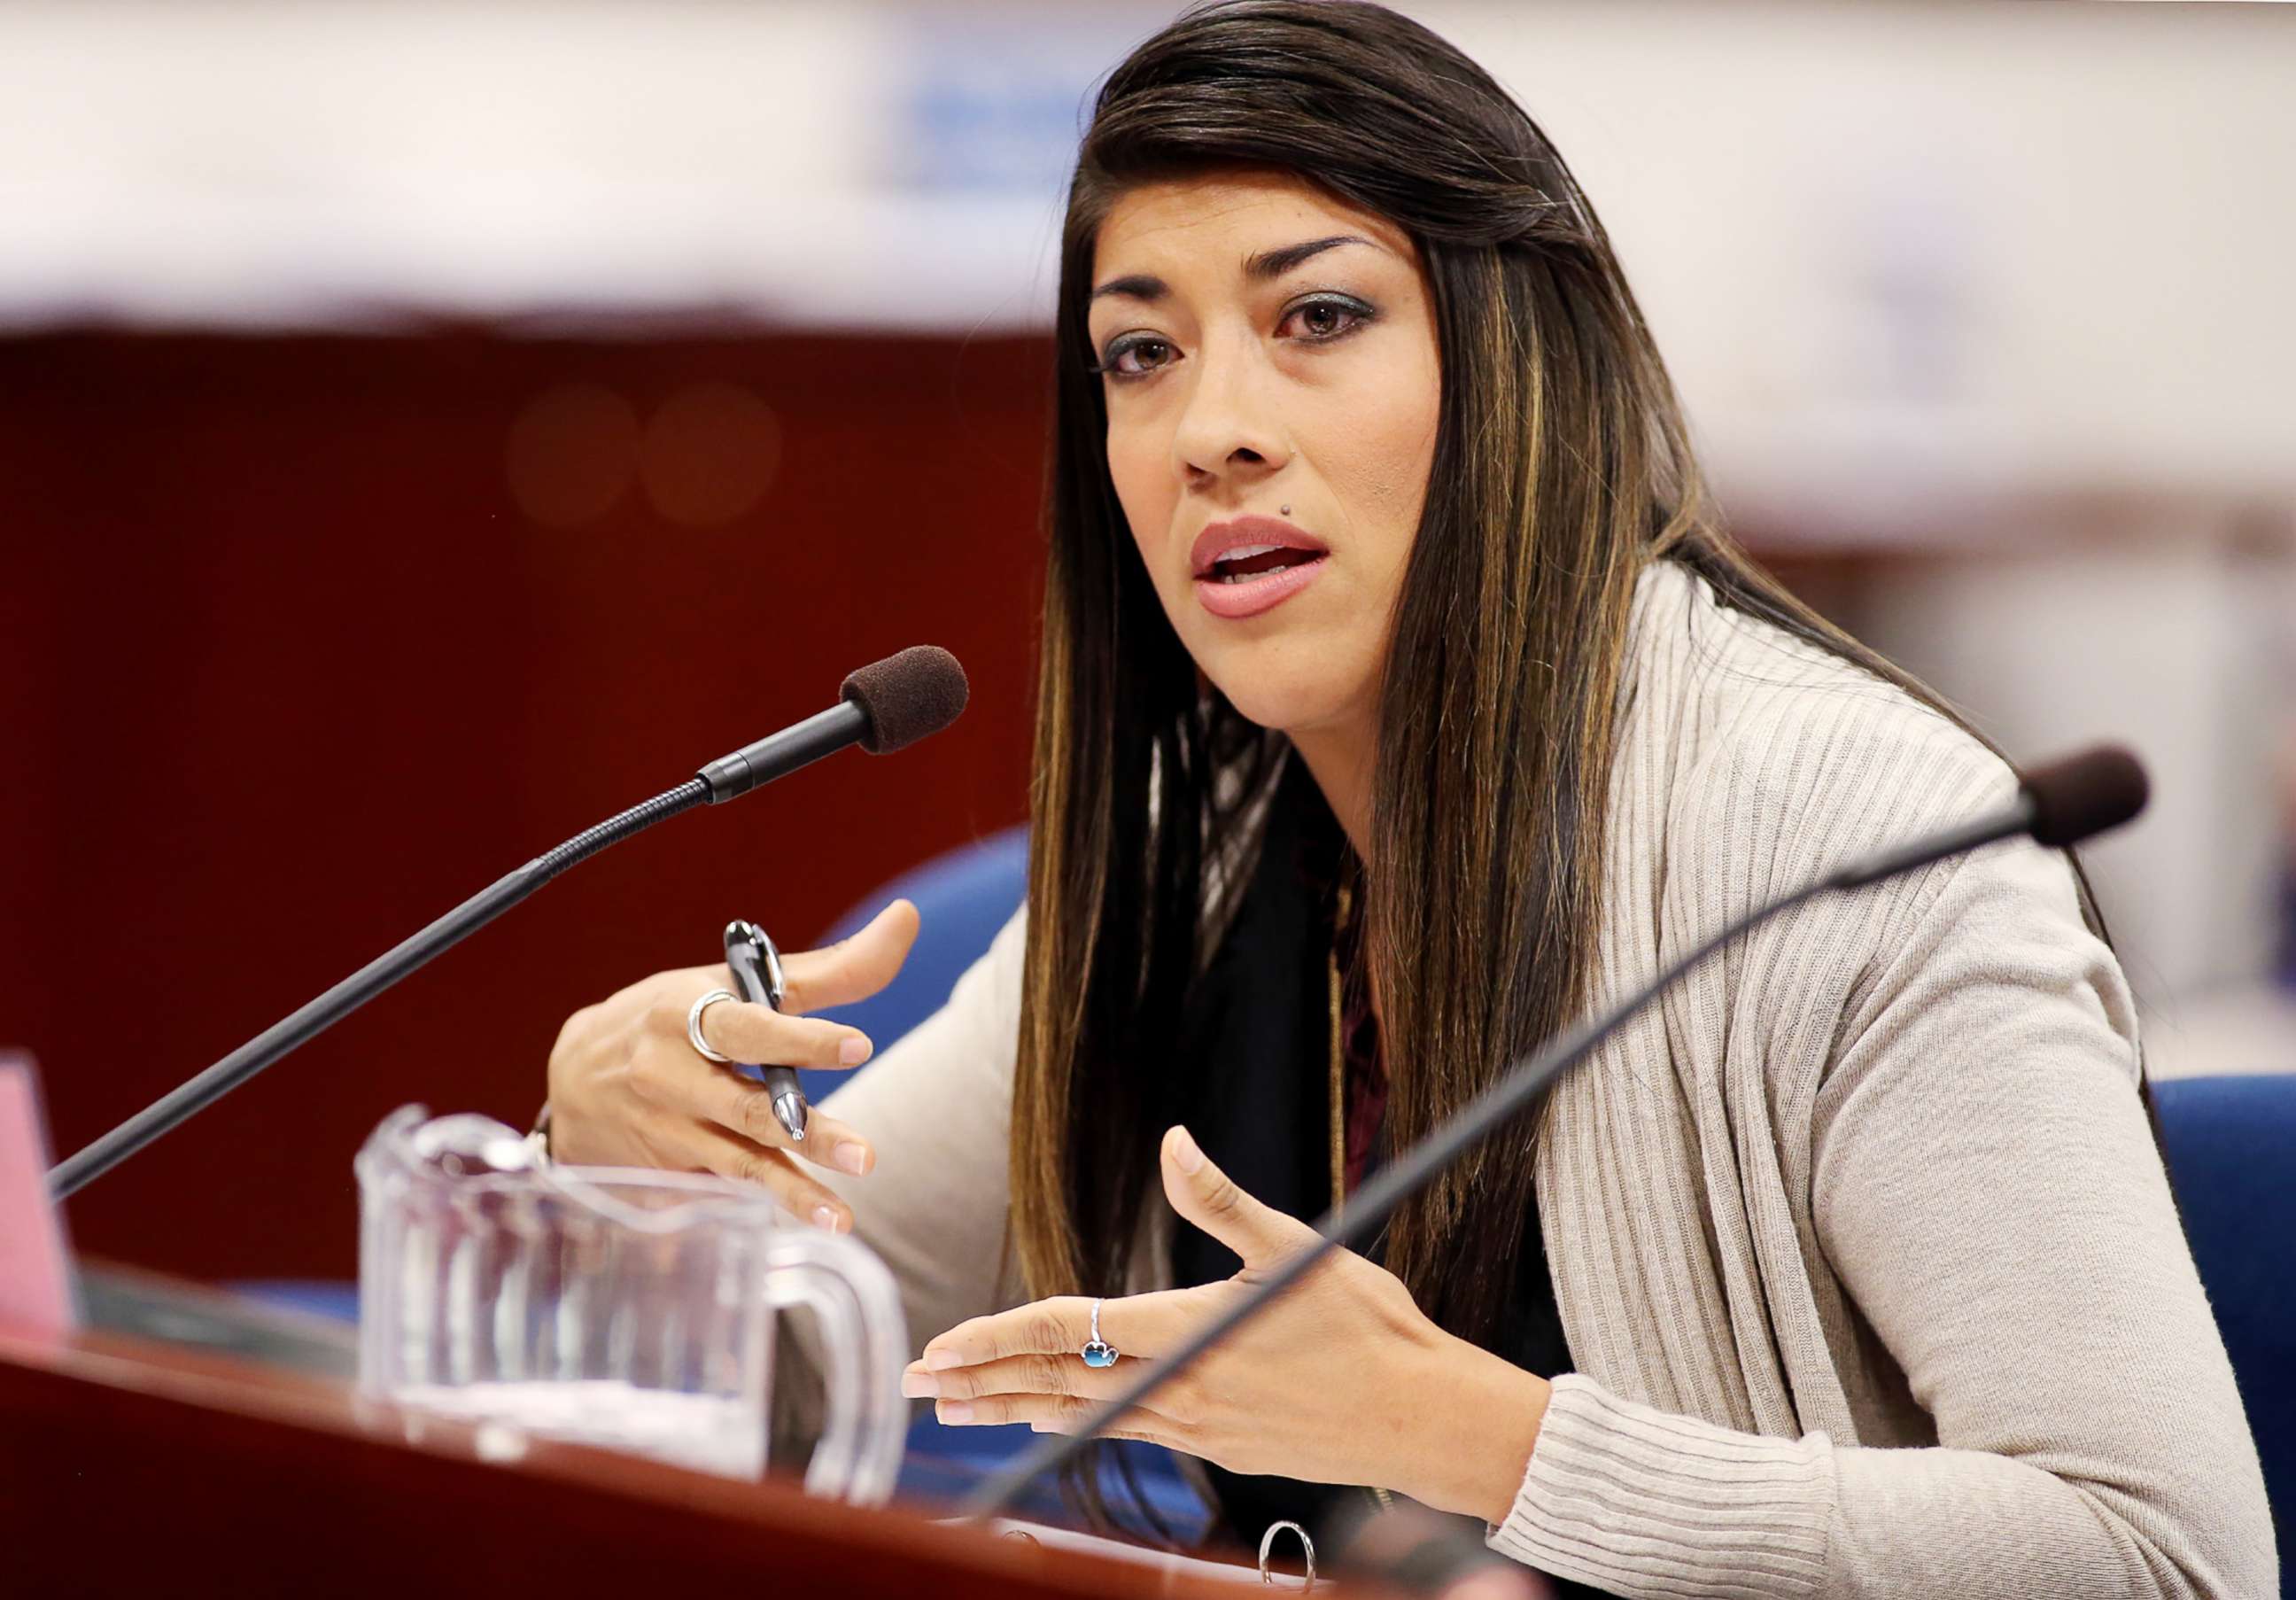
pixel 1289 680
pixel 1286 697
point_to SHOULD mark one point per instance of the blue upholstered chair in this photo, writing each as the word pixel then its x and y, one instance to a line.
pixel 963 898
pixel 2232 1151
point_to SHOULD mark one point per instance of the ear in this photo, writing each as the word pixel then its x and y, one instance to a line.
pixel 1209 1199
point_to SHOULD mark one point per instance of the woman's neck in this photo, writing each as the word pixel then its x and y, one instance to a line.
pixel 1341 758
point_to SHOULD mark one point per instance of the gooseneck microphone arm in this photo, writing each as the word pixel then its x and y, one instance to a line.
pixel 2058 805
pixel 298 1027
pixel 885 706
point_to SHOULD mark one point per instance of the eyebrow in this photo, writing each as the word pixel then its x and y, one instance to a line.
pixel 1257 269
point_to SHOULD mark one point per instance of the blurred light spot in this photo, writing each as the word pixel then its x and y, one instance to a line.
pixel 571 454
pixel 709 454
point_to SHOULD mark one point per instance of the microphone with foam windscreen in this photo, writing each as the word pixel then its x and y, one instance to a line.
pixel 2057 805
pixel 883 706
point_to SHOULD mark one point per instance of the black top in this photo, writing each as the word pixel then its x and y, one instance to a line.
pixel 1256 1040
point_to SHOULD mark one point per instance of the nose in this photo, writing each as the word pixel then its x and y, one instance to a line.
pixel 1229 432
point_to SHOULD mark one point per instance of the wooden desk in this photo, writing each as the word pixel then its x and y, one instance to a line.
pixel 132 1467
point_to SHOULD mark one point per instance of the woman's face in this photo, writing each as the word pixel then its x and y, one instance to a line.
pixel 1269 360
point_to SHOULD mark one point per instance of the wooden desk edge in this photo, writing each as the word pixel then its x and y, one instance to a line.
pixel 87 1369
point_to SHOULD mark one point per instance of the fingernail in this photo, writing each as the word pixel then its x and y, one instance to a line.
pixel 824 1216
pixel 1185 1156
pixel 851 1158
pixel 919 1385
pixel 953 1411
pixel 854 1051
pixel 942 1360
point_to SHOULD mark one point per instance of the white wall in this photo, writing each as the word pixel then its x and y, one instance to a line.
pixel 2174 634
pixel 1886 247
pixel 1950 242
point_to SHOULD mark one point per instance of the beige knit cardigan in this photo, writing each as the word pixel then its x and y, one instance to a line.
pixel 1862 1243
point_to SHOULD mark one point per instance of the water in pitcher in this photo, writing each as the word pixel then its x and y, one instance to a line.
pixel 707 1432
pixel 629 1309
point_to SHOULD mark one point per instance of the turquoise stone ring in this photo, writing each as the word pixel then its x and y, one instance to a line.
pixel 1098 1351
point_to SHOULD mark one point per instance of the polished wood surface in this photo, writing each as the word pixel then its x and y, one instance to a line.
pixel 128 1466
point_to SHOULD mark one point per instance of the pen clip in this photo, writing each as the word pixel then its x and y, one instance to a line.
pixel 757 964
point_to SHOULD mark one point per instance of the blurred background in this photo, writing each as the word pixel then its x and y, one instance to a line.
pixel 426 429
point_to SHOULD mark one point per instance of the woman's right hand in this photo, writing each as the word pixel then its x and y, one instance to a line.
pixel 627 1089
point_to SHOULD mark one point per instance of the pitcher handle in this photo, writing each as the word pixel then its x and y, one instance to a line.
pixel 863 1344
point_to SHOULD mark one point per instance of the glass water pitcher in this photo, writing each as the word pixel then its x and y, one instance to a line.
pixel 617 1307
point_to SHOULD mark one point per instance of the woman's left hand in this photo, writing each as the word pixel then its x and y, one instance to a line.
pixel 1342 1380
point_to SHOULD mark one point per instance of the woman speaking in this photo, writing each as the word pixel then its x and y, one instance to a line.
pixel 1401 700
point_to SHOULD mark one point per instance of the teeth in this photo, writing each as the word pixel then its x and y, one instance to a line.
pixel 1222 570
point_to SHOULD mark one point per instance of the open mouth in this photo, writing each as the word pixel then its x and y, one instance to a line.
pixel 1248 562
pixel 1251 564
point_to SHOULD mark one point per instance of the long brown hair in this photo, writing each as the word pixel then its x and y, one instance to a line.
pixel 1562 468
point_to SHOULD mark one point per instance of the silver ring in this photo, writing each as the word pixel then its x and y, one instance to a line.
pixel 1097 1351
pixel 1307 1549
pixel 693 1024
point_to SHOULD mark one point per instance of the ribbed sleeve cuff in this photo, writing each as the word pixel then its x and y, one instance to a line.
pixel 1643 1504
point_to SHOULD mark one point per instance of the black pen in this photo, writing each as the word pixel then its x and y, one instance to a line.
pixel 758 975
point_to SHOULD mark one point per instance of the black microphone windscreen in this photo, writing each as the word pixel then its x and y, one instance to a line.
pixel 2086 794
pixel 908 696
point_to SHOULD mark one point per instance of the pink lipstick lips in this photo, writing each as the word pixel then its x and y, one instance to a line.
pixel 1246 566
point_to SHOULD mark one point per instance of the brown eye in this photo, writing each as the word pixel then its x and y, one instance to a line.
pixel 1137 358
pixel 1321 321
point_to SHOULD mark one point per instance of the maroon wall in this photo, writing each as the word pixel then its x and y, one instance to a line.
pixel 291 662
